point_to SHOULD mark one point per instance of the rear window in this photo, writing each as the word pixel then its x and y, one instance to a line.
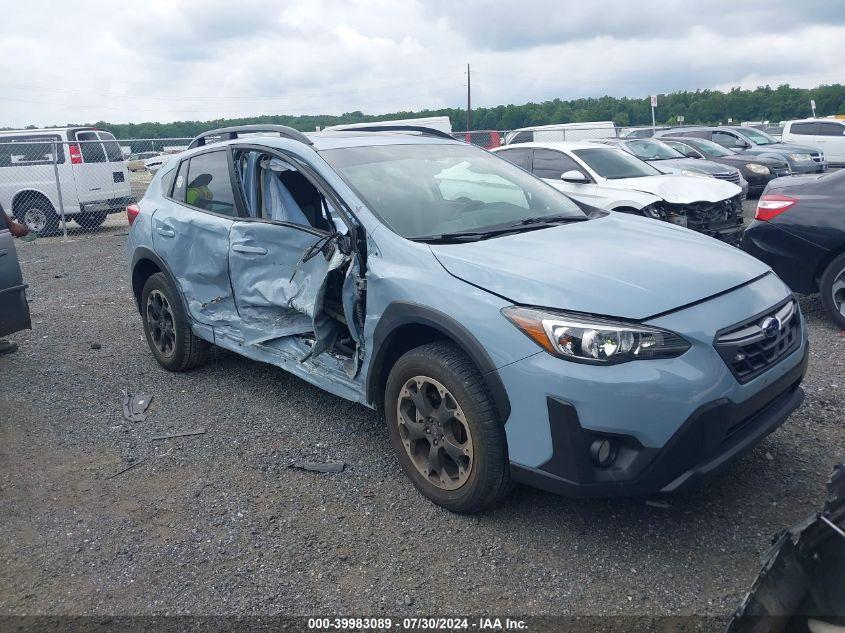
pixel 91 148
pixel 24 151
pixel 113 152
pixel 831 129
pixel 804 128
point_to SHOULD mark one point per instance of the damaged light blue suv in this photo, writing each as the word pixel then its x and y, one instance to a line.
pixel 507 332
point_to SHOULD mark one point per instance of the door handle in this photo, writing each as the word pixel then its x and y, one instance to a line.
pixel 252 250
pixel 4 252
pixel 166 232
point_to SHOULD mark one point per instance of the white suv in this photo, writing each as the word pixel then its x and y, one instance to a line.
pixel 826 135
pixel 88 169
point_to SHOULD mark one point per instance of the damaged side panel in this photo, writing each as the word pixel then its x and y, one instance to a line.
pixel 194 245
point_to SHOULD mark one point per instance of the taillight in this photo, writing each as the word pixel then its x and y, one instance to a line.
pixel 132 212
pixel 772 204
pixel 75 155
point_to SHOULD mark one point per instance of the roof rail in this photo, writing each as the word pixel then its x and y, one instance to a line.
pixel 425 131
pixel 229 133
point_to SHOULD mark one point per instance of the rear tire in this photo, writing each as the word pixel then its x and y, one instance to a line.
pixel 167 328
pixel 456 429
pixel 91 220
pixel 832 287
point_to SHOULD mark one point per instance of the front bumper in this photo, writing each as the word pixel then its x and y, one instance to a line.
pixel 671 420
pixel 808 167
pixel 715 435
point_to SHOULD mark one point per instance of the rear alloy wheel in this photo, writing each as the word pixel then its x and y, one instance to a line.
pixel 833 290
pixel 445 428
pixel 167 328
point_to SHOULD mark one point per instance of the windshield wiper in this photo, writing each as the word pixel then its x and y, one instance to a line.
pixel 525 224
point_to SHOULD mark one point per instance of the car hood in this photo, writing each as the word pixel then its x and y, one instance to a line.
pixel 679 189
pixel 694 164
pixel 787 148
pixel 743 158
pixel 618 265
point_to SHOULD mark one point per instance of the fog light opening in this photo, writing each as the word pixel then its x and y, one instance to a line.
pixel 602 452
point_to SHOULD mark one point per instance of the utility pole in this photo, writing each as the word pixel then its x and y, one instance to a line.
pixel 469 102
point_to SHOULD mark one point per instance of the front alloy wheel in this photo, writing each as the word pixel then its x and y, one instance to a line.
pixel 445 428
pixel 435 433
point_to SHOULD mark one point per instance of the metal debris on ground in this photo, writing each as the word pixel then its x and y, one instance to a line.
pixel 656 503
pixel 168 436
pixel 134 406
pixel 319 467
pixel 129 467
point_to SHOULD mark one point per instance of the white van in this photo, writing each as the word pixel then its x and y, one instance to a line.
pixel 562 132
pixel 442 123
pixel 827 135
pixel 92 175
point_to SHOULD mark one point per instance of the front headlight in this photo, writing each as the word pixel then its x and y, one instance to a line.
pixel 800 158
pixel 758 169
pixel 594 340
pixel 700 174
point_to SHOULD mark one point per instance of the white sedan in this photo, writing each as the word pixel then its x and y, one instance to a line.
pixel 609 178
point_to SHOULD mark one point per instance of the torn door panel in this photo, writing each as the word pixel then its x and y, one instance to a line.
pixel 272 303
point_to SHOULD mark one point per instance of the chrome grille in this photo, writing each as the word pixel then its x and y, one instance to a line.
pixel 729 176
pixel 817 158
pixel 752 347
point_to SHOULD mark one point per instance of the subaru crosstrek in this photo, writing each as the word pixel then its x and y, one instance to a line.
pixel 507 332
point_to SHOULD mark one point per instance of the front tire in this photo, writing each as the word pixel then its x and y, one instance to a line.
pixel 832 287
pixel 167 328
pixel 444 427
pixel 39 217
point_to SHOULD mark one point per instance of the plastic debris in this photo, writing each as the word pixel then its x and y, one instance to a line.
pixel 129 467
pixel 134 406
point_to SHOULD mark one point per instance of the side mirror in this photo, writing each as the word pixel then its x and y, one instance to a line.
pixel 574 176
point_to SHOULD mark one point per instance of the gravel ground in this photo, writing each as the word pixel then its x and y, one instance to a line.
pixel 217 523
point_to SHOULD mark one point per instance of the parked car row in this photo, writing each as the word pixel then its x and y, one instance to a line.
pixel 609 178
pixel 509 329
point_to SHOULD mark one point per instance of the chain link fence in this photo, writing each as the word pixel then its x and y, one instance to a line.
pixel 68 182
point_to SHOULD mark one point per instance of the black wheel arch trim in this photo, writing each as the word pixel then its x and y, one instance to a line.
pixel 143 252
pixel 401 313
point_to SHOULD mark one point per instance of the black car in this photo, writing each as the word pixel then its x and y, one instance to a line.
pixel 757 170
pixel 799 230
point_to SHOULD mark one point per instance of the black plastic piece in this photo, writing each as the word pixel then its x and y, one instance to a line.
pixel 400 313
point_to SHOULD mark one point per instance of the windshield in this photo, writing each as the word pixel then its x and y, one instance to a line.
pixel 758 136
pixel 708 148
pixel 614 164
pixel 424 190
pixel 649 149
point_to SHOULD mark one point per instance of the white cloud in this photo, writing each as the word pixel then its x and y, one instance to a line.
pixel 196 59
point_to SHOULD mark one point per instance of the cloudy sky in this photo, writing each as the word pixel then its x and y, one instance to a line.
pixel 166 60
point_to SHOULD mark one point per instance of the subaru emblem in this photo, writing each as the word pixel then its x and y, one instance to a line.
pixel 770 327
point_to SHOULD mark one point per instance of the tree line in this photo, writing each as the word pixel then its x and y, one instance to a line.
pixel 697 107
